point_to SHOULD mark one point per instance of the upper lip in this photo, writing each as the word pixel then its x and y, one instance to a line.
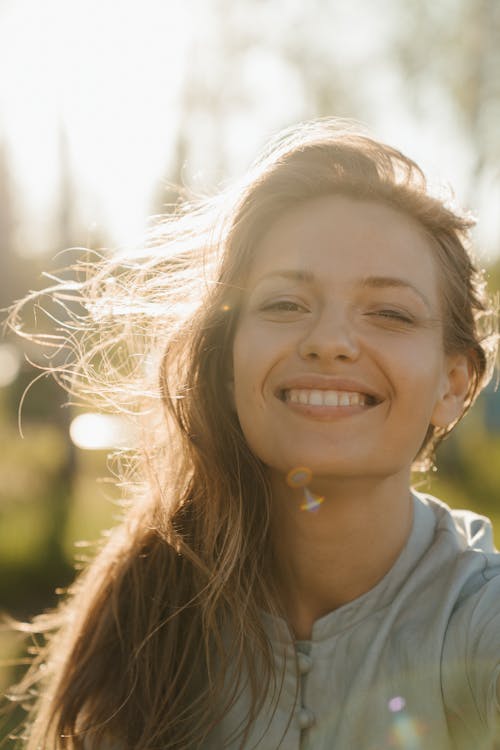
pixel 326 383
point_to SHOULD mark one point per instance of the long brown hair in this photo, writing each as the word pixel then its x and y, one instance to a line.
pixel 147 634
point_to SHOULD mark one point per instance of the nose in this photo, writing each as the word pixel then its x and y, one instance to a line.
pixel 331 336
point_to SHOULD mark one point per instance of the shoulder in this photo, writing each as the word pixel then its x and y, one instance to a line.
pixel 471 652
pixel 471 647
pixel 466 563
pixel 467 529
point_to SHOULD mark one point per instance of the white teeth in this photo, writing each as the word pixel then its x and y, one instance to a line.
pixel 316 397
pixel 331 398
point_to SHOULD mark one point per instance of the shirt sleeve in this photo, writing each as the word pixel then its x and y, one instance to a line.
pixel 471 656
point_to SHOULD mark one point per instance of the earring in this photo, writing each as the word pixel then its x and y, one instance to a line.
pixel 298 477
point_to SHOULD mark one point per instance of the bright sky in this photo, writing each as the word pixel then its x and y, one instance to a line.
pixel 110 75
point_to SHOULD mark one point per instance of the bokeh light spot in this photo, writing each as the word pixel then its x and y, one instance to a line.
pixel 10 364
pixel 397 704
pixel 100 432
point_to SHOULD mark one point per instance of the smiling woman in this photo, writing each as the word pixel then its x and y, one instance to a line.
pixel 276 582
pixel 353 318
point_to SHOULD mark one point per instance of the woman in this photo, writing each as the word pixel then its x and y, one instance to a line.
pixel 275 582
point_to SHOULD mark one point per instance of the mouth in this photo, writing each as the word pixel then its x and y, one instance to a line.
pixel 314 397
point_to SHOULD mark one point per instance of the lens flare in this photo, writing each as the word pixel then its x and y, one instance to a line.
pixel 299 476
pixel 312 501
pixel 396 704
pixel 406 732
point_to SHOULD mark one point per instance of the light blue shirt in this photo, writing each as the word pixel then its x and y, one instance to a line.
pixel 411 664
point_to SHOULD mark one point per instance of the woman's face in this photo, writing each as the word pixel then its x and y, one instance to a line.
pixel 338 355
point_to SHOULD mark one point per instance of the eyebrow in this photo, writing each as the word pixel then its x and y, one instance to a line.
pixel 294 275
pixel 372 282
pixel 383 282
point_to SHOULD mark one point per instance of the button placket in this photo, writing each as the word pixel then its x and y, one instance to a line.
pixel 305 717
pixel 304 662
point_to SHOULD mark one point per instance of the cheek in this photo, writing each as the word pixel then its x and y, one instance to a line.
pixel 418 359
pixel 421 391
pixel 245 373
pixel 247 403
pixel 253 357
pixel 254 352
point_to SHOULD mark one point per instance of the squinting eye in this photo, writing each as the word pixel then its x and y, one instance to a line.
pixel 396 315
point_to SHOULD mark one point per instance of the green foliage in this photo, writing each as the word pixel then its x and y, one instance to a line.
pixel 37 540
pixel 468 473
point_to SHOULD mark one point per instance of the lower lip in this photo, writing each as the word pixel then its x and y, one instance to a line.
pixel 327 413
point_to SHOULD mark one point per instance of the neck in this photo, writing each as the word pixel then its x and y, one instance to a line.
pixel 329 557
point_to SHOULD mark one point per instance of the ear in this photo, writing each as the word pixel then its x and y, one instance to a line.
pixel 455 385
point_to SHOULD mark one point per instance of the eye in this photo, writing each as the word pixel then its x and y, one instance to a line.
pixel 283 305
pixel 391 314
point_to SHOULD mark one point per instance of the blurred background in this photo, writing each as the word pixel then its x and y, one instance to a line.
pixel 103 105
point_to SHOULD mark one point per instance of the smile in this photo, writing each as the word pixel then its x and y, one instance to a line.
pixel 316 397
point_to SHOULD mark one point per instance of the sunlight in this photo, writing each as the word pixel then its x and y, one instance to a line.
pixel 10 364
pixel 99 432
pixel 107 78
pixel 93 95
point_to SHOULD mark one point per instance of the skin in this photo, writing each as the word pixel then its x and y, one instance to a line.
pixel 342 296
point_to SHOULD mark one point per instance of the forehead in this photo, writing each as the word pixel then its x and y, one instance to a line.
pixel 340 239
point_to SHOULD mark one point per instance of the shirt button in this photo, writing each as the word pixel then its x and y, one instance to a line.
pixel 305 718
pixel 304 662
